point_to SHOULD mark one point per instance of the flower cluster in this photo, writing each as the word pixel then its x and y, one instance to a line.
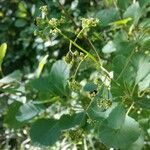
pixel 89 22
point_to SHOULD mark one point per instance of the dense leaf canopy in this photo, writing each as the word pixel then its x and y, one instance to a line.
pixel 75 74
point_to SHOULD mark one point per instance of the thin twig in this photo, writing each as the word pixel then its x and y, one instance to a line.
pixel 127 63
pixel 93 47
pixel 1 72
pixel 70 46
pixel 66 13
pixel 79 66
pixel 130 108
pixel 85 144
pixel 76 45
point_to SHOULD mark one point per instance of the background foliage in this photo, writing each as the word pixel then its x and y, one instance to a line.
pixel 75 74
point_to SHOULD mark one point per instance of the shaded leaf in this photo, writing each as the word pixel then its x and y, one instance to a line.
pixel 97 113
pixel 117 117
pixel 89 87
pixel 60 74
pixel 107 15
pixel 45 132
pixel 41 84
pixel 56 83
pixel 123 4
pixel 70 121
pixel 28 111
pixel 143 103
pixel 119 138
pixel 133 11
pixel 10 117
pixel 137 145
pixel 13 77
pixel 118 64
pixel 144 3
pixel 20 23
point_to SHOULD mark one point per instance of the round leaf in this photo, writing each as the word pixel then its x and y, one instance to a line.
pixel 97 113
pixel 70 121
pixel 45 132
pixel 116 117
pixel 90 87
pixel 10 117
pixel 109 47
pixel 28 111
pixel 118 138
pixel 58 78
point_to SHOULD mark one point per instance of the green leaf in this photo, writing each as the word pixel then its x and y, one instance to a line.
pixel 145 23
pixel 89 87
pixel 41 85
pixel 118 91
pixel 137 71
pixel 10 117
pixel 144 122
pixel 145 42
pixel 58 78
pixel 45 132
pixel 121 22
pixel 133 11
pixel 117 117
pixel 120 37
pixel 143 72
pixel 13 77
pixel 71 121
pixel 109 47
pixel 143 102
pixel 56 83
pixel 124 71
pixel 137 145
pixel 3 49
pixel 20 23
pixel 107 16
pixel 144 3
pixel 28 111
pixel 22 6
pixel 119 138
pixel 97 113
pixel 123 4
pixel 118 64
pixel 123 47
pixel 41 65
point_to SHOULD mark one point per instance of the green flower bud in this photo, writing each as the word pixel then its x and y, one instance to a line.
pixel 104 103
pixel 69 57
pixel 89 22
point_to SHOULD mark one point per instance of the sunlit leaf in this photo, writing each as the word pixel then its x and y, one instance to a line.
pixel 133 11
pixel 3 49
pixel 121 22
pixel 109 47
pixel 41 65
pixel 28 111
pixel 13 77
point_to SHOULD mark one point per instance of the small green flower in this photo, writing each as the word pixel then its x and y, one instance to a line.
pixel 44 9
pixel 104 103
pixel 89 22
